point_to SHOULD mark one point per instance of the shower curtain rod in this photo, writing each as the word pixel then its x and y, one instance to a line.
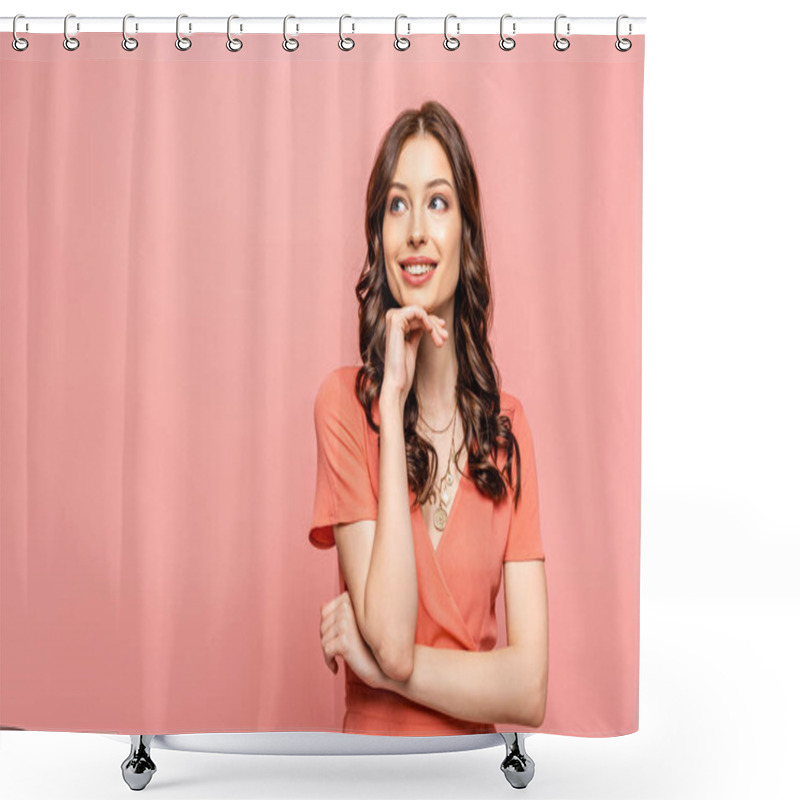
pixel 512 26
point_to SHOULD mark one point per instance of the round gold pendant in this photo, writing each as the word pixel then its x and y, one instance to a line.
pixel 440 519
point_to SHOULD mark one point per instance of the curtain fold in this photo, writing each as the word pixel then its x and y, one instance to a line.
pixel 182 234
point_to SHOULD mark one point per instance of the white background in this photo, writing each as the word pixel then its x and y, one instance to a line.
pixel 720 437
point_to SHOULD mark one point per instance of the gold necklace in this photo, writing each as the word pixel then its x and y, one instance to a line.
pixel 419 414
pixel 440 514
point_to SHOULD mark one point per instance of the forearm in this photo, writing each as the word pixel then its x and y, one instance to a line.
pixel 390 598
pixel 494 686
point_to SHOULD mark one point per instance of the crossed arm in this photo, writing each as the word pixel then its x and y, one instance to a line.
pixel 507 685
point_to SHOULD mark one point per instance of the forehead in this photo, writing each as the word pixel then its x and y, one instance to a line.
pixel 421 159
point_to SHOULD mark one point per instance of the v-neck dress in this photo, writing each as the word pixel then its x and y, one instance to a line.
pixel 457 582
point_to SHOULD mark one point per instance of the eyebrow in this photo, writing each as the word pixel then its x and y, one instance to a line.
pixel 428 185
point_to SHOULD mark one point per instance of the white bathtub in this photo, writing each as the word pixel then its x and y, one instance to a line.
pixel 138 768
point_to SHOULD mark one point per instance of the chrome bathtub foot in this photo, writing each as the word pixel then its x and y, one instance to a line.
pixel 517 766
pixel 138 768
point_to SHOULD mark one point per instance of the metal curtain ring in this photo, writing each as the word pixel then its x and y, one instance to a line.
pixel 70 42
pixel 560 42
pixel 506 42
pixel 451 42
pixel 345 42
pixel 623 45
pixel 128 42
pixel 289 43
pixel 182 42
pixel 233 44
pixel 17 42
pixel 400 42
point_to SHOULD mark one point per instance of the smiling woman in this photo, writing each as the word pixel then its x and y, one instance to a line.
pixel 164 331
pixel 422 225
pixel 421 424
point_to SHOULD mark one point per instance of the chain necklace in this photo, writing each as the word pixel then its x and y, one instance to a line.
pixel 440 514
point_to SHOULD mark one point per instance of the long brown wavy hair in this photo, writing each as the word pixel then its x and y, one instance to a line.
pixel 477 393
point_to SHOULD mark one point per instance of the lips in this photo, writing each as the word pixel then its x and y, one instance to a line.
pixel 405 267
pixel 418 279
pixel 423 261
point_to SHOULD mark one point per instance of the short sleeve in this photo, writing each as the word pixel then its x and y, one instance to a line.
pixel 524 541
pixel 343 489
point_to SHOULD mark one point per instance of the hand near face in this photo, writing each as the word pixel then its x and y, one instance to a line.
pixel 405 328
pixel 340 636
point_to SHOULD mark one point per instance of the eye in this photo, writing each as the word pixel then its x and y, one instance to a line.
pixel 440 197
pixel 392 202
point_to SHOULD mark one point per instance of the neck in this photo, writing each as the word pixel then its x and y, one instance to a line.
pixel 435 377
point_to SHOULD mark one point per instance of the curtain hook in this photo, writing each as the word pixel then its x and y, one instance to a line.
pixel 128 42
pixel 623 45
pixel 400 42
pixel 560 42
pixel 17 42
pixel 233 44
pixel 182 42
pixel 286 39
pixel 506 42
pixel 451 42
pixel 345 42
pixel 70 42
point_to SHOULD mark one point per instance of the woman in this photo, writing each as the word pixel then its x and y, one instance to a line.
pixel 416 490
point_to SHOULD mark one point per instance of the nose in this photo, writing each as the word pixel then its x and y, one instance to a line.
pixel 417 235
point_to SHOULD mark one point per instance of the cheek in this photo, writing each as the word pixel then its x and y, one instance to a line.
pixel 392 234
pixel 454 259
pixel 450 236
pixel 454 249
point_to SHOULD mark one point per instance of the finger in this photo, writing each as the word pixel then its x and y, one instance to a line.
pixel 330 661
pixel 414 315
pixel 329 644
pixel 329 621
pixel 437 332
pixel 438 324
pixel 326 623
pixel 330 654
pixel 335 645
pixel 329 605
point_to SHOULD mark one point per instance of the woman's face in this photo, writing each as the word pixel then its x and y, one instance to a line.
pixel 422 223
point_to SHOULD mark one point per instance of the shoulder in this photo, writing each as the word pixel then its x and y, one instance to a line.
pixel 510 405
pixel 338 384
pixel 337 398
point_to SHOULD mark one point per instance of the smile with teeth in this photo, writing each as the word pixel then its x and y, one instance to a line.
pixel 418 269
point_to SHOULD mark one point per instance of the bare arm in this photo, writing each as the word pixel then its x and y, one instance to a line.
pixel 379 564
pixel 507 685
pixel 390 602
pixel 377 557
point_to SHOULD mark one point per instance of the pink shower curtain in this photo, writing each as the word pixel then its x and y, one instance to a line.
pixel 182 235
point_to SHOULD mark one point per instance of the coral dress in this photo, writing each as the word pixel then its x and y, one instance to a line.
pixel 457 581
